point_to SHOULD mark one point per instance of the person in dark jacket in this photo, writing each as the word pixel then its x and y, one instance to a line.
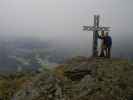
pixel 108 44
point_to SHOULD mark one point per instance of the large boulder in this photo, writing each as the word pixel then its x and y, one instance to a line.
pixel 79 70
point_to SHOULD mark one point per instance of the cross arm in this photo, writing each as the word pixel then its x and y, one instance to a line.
pixel 93 28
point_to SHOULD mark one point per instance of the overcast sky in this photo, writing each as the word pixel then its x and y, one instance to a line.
pixel 62 20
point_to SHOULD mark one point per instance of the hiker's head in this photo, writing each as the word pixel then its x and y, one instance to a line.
pixel 107 33
pixel 102 33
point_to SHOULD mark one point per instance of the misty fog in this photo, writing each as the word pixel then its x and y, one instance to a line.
pixel 60 22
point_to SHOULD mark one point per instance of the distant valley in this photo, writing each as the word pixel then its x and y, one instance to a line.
pixel 31 54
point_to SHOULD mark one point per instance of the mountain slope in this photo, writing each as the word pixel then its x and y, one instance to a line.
pixel 81 79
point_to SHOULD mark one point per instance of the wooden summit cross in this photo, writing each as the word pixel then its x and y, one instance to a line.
pixel 95 28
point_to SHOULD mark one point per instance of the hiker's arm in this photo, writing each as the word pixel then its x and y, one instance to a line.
pixel 111 41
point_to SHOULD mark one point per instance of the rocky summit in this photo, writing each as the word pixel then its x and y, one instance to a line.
pixel 81 78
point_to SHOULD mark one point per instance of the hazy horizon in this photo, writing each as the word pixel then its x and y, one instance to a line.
pixel 61 21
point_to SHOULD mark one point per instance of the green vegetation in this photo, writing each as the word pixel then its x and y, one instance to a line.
pixel 10 83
